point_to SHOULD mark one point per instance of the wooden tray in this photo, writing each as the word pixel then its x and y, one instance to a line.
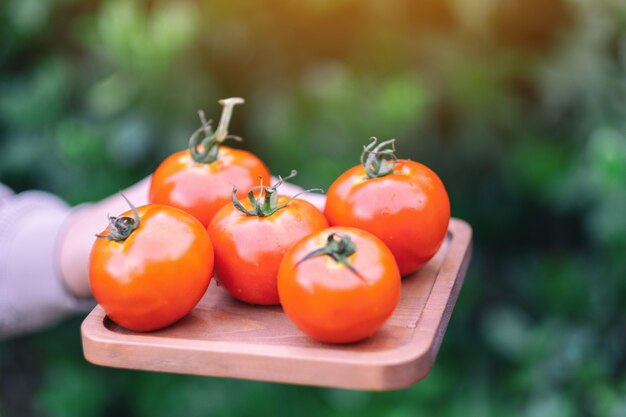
pixel 225 338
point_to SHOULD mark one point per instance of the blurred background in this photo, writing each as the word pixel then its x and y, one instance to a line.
pixel 518 105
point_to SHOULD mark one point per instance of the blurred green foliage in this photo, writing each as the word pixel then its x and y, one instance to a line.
pixel 519 105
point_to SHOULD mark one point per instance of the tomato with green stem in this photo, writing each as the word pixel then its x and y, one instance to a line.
pixel 199 180
pixel 252 236
pixel 339 285
pixel 150 267
pixel 400 201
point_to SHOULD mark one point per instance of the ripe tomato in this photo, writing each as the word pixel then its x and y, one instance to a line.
pixel 199 180
pixel 251 238
pixel 339 285
pixel 402 202
pixel 150 270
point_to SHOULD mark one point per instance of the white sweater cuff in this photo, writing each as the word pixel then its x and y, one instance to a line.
pixel 32 293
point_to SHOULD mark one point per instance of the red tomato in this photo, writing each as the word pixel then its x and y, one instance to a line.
pixel 199 181
pixel 339 285
pixel 151 270
pixel 251 238
pixel 402 202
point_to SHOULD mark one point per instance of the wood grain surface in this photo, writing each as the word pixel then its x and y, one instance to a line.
pixel 222 337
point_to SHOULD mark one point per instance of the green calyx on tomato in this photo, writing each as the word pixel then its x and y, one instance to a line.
pixel 378 161
pixel 265 203
pixel 122 227
pixel 340 248
pixel 204 143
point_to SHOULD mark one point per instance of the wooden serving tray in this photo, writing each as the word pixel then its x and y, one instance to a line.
pixel 226 338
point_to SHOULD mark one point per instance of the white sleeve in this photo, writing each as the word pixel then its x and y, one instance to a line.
pixel 31 289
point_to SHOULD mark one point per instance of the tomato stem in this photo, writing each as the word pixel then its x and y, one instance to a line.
pixel 122 227
pixel 340 248
pixel 265 202
pixel 377 161
pixel 204 143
